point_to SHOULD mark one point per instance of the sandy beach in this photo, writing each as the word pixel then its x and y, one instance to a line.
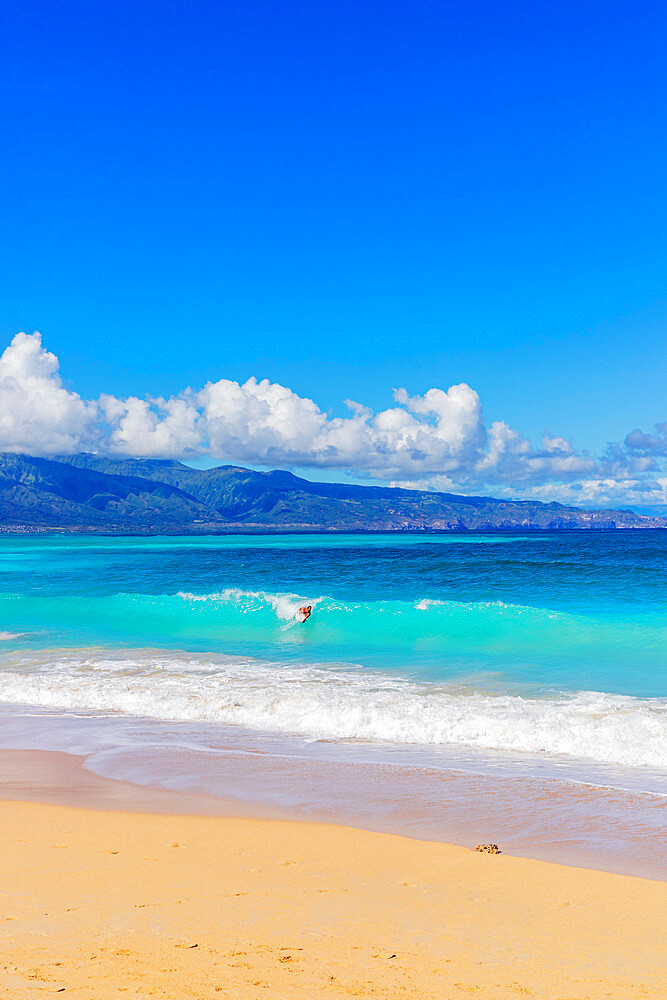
pixel 107 900
pixel 333 501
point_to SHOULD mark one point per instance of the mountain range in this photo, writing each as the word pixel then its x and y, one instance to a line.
pixel 91 493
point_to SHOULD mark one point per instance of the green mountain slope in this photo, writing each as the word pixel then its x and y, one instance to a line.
pixel 88 492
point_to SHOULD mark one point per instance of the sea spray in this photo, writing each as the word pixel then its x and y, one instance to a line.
pixel 335 702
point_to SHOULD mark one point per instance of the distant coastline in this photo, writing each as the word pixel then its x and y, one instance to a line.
pixel 83 494
pixel 259 530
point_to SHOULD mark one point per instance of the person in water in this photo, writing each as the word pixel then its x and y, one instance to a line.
pixel 305 613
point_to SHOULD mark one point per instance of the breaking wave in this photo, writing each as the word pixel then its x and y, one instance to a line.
pixel 329 701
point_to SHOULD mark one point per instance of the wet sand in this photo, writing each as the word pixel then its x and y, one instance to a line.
pixel 127 890
pixel 599 820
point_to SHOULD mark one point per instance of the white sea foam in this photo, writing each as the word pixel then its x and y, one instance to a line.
pixel 285 606
pixel 6 636
pixel 335 702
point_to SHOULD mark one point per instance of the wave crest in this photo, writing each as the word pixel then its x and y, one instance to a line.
pixel 285 606
pixel 336 702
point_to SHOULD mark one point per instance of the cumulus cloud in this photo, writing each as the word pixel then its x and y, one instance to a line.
pixel 151 428
pixel 38 415
pixel 438 440
pixel 259 418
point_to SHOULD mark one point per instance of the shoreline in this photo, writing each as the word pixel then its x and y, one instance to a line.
pixel 234 772
pixel 102 898
pixel 243 529
pixel 56 778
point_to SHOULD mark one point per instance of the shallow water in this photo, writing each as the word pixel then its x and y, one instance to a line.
pixel 511 656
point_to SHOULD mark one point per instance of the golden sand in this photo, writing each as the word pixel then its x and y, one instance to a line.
pixel 104 904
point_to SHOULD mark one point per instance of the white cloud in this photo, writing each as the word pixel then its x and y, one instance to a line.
pixel 151 428
pixel 438 440
pixel 264 422
pixel 602 492
pixel 259 418
pixel 37 414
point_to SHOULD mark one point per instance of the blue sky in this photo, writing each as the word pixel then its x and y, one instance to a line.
pixel 345 199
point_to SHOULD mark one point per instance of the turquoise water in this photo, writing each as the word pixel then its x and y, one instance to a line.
pixel 542 644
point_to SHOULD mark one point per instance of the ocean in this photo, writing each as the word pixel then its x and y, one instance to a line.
pixel 523 665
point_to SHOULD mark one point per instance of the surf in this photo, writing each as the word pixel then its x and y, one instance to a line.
pixel 336 701
pixel 498 642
